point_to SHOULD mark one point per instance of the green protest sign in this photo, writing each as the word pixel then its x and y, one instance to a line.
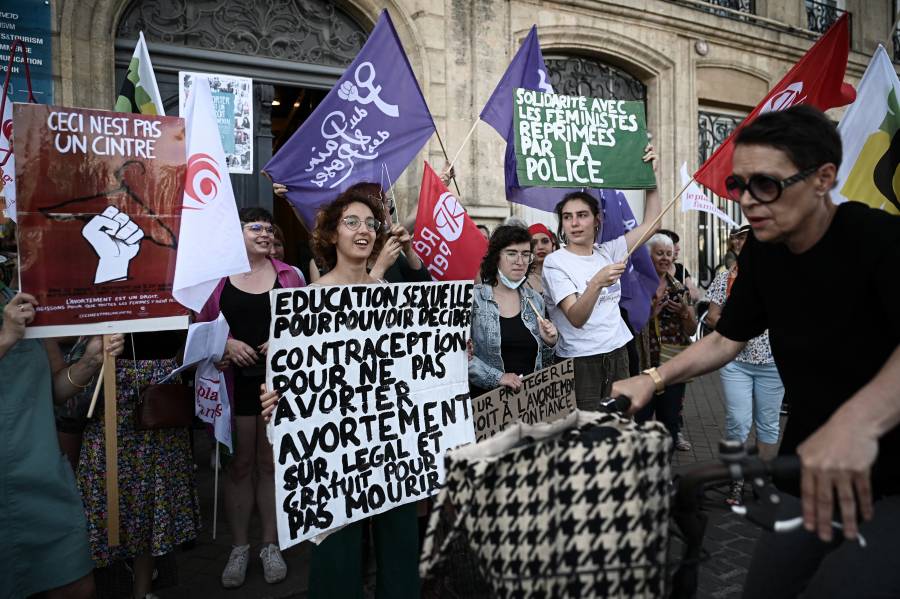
pixel 572 141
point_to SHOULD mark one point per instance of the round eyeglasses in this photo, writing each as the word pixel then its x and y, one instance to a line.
pixel 765 189
pixel 353 222
pixel 258 229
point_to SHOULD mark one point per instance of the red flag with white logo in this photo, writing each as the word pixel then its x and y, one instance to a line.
pixel 446 239
pixel 817 80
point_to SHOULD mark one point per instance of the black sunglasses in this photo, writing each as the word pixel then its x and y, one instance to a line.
pixel 763 188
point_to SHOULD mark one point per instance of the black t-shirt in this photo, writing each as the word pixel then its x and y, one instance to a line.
pixel 518 348
pixel 833 320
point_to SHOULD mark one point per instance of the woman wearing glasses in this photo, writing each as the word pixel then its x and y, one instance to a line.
pixel 244 300
pixel 510 340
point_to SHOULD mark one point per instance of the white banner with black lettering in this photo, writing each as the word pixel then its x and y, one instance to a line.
pixel 374 390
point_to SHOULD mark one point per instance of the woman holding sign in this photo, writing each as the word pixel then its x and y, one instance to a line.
pixel 510 338
pixel 348 232
pixel 244 300
pixel 582 292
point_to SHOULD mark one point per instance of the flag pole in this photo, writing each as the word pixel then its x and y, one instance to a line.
pixel 464 143
pixel 447 158
pixel 216 493
pixel 656 220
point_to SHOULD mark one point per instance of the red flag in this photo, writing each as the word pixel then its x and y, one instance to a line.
pixel 446 239
pixel 818 80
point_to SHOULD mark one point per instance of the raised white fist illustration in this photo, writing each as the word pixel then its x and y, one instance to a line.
pixel 116 239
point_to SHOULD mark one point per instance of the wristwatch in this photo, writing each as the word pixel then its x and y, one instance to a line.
pixel 657 380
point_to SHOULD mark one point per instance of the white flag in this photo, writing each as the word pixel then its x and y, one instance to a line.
pixel 693 198
pixel 870 131
pixel 7 160
pixel 211 242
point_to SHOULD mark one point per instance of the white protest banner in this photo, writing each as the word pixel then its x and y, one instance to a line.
pixel 693 198
pixel 374 390
pixel 545 396
pixel 232 100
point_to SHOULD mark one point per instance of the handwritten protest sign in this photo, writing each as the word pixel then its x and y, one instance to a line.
pixel 374 389
pixel 99 206
pixel 545 396
pixel 572 141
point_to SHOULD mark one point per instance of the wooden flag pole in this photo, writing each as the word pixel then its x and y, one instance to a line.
pixel 90 413
pixel 447 158
pixel 656 220
pixel 464 144
pixel 536 312
pixel 111 439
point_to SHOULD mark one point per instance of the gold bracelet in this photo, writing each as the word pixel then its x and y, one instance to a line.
pixel 657 380
pixel 74 384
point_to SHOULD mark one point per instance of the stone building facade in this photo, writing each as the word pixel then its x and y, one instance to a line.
pixel 699 66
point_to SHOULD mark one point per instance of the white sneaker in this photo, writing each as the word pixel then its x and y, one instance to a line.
pixel 236 568
pixel 274 568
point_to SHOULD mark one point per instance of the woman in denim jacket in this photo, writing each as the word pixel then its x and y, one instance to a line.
pixel 510 339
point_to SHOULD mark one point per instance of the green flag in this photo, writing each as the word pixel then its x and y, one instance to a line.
pixel 574 141
pixel 139 92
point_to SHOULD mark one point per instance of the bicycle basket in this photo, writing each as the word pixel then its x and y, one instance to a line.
pixel 575 508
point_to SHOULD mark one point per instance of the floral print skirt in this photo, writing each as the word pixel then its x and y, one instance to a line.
pixel 158 505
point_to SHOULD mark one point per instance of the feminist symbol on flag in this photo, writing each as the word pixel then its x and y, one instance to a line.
pixel 203 180
pixel 349 92
pixel 449 216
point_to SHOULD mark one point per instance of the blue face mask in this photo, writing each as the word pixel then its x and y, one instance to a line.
pixel 508 282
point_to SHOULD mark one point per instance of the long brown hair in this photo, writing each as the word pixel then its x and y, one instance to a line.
pixel 329 218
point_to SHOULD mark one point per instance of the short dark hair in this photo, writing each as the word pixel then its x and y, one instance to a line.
pixel 803 132
pixel 503 237
pixel 329 216
pixel 585 197
pixel 255 214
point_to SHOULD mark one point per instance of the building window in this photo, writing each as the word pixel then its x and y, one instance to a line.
pixel 821 15
pixel 748 6
pixel 714 128
pixel 586 76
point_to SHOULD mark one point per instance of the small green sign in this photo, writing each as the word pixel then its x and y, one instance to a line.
pixel 572 141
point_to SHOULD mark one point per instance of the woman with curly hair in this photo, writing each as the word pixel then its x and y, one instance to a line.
pixel 510 339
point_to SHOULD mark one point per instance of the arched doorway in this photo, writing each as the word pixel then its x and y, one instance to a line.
pixel 293 51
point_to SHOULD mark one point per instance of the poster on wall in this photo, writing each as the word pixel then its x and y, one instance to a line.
pixel 233 103
pixel 29 21
pixel 577 141
pixel 99 206
pixel 374 391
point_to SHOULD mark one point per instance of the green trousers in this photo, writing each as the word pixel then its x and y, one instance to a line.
pixel 336 567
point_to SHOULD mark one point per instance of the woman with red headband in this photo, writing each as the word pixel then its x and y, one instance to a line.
pixel 544 244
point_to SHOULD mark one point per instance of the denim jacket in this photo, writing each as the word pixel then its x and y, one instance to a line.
pixel 486 366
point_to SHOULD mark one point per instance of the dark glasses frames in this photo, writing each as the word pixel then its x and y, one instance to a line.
pixel 763 188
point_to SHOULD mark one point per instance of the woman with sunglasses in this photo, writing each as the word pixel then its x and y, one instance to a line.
pixel 582 292
pixel 510 340
pixel 244 300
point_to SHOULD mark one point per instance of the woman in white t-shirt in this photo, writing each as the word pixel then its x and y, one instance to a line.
pixel 582 292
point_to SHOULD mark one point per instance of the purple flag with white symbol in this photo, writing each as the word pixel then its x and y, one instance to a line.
pixel 527 70
pixel 372 123
pixel 639 282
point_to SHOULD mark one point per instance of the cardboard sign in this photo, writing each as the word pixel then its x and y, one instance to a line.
pixel 374 390
pixel 572 141
pixel 233 104
pixel 99 206
pixel 545 396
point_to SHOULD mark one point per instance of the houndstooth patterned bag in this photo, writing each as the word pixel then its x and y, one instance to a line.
pixel 575 508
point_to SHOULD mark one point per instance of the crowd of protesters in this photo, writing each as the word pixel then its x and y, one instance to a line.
pixel 541 296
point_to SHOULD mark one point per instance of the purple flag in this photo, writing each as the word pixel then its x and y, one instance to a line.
pixel 371 124
pixel 640 280
pixel 527 70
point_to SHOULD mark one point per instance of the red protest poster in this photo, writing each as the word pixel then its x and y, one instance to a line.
pixel 99 207
pixel 446 239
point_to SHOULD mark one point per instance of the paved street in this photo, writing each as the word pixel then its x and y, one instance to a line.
pixel 194 572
